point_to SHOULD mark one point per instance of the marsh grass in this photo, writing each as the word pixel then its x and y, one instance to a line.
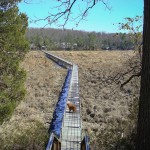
pixel 33 138
pixel 108 117
pixel 27 128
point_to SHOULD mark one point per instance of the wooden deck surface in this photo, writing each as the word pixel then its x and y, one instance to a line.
pixel 71 128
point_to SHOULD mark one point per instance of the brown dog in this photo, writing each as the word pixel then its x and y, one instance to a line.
pixel 71 106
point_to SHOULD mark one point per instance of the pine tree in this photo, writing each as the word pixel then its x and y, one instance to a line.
pixel 13 47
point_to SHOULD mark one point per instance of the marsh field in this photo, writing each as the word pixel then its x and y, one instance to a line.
pixel 108 112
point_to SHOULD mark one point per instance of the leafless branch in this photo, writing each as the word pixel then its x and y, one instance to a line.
pixel 133 69
pixel 65 11
pixel 30 2
pixel 27 1
pixel 130 78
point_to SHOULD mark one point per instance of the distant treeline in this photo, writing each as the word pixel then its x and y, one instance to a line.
pixel 57 39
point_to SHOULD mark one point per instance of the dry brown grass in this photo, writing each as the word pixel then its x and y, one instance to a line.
pixel 43 84
pixel 106 110
pixel 106 113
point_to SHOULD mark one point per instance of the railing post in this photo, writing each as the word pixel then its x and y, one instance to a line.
pixel 53 143
pixel 85 143
pixel 50 142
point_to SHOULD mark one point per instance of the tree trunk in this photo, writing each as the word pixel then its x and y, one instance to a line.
pixel 143 127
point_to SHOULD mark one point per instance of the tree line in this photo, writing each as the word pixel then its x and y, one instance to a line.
pixel 59 39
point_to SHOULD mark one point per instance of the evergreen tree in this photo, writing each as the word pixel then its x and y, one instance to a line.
pixel 92 40
pixel 13 47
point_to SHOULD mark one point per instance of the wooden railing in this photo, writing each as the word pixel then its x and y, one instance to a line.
pixel 53 143
pixel 85 143
pixel 63 63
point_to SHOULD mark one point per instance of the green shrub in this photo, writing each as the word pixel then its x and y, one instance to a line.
pixel 6 111
pixel 13 47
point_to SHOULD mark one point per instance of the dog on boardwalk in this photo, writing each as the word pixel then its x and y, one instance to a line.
pixel 71 106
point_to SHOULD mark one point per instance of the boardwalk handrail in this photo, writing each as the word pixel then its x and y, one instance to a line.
pixel 50 142
pixel 56 122
pixel 85 143
pixel 61 62
pixel 53 143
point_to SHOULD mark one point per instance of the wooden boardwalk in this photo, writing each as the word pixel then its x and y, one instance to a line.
pixel 71 133
pixel 71 128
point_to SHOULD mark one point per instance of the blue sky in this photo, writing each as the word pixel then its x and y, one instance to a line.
pixel 99 18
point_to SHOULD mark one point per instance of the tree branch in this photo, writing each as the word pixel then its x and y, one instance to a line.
pixel 130 78
pixel 65 11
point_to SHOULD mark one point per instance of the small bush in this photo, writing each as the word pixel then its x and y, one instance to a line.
pixel 6 111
